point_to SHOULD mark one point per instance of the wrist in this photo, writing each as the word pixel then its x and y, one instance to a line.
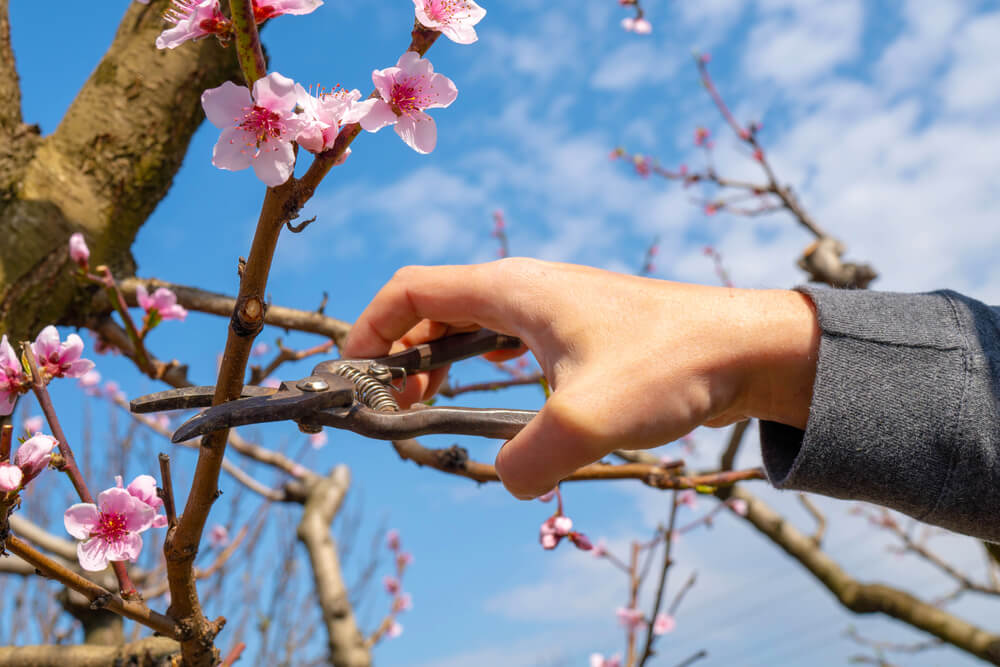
pixel 782 352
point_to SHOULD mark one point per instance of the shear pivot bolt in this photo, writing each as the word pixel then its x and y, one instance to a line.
pixel 312 384
pixel 310 428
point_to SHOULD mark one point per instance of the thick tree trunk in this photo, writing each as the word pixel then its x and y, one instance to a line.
pixel 103 170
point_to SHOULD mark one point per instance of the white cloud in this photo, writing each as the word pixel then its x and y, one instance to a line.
pixel 973 83
pixel 635 63
pixel 795 41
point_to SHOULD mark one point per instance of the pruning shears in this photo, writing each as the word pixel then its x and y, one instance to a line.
pixel 353 394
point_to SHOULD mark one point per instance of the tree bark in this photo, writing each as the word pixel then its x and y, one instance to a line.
pixel 345 644
pixel 103 170
pixel 143 653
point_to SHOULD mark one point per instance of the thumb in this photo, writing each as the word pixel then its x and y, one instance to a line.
pixel 560 439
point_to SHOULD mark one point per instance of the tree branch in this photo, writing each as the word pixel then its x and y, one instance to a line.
pixel 862 598
pixel 137 653
pixel 346 643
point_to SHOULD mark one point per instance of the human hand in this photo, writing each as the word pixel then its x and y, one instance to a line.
pixel 633 362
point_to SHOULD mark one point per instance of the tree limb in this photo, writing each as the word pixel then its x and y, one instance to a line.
pixel 145 652
pixel 346 643
pixel 862 598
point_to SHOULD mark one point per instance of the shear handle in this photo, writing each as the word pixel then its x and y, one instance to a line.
pixel 484 422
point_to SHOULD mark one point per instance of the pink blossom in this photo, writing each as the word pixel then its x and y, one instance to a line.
pixel 218 536
pixel 60 359
pixel 257 130
pixel 163 301
pixel 109 530
pixel 688 497
pixel 323 115
pixel 89 381
pixel 12 378
pixel 453 18
pixel 598 660
pixel 392 540
pixel 663 623
pixel 562 525
pixel 639 26
pixel 192 19
pixel 260 349
pixel 143 488
pixel 738 505
pixel 268 9
pixel 403 559
pixel 403 602
pixel 78 250
pixel 407 89
pixel 34 424
pixel 113 391
pixel 34 454
pixel 630 617
pixel 10 477
pixel 394 630
pixel 391 584
pixel 701 135
pixel 318 440
pixel 271 382
pixel 548 541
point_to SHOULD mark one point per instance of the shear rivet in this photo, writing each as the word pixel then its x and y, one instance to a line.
pixel 312 384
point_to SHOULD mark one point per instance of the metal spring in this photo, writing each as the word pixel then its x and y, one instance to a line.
pixel 369 391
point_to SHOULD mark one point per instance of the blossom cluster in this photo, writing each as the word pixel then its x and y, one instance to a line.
pixel 54 358
pixel 32 458
pixel 110 529
pixel 259 125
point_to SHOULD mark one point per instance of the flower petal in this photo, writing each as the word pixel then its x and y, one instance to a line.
pixel 46 343
pixel 80 519
pixel 71 350
pixel 418 131
pixel 274 165
pixel 232 151
pixel 225 104
pixel 92 554
pixel 380 115
pixel 442 91
pixel 275 92
pixel 78 368
pixel 10 477
pixel 128 548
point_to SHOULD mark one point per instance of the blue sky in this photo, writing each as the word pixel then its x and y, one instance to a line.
pixel 882 115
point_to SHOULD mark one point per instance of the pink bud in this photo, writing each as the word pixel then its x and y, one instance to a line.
pixel 78 250
pixel 391 585
pixel 663 624
pixel 33 424
pixel 403 602
pixel 34 454
pixel 738 505
pixel 600 549
pixel 562 525
pixel 392 540
pixel 549 541
pixel 318 440
pixel 403 559
pixel 394 630
pixel 630 617
pixel 689 498
pixel 218 536
pixel 10 477
pixel 581 541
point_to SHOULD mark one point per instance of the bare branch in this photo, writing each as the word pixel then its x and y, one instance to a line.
pixel 817 537
pixel 88 655
pixel 862 598
pixel 203 301
pixel 344 640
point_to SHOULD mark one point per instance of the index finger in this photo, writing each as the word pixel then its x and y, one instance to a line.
pixel 446 294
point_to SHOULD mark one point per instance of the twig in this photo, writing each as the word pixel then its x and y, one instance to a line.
pixel 450 391
pixel 455 460
pixel 817 537
pixel 166 490
pixel 693 659
pixel 647 651
pixel 735 439
pixel 688 585
pixel 100 597
pixel 234 655
pixel 214 303
pixel 287 354
pixel 199 573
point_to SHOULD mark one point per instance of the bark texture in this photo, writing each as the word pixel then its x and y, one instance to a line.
pixel 102 171
pixel 345 644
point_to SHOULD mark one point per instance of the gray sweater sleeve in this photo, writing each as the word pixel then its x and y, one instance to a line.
pixel 905 410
